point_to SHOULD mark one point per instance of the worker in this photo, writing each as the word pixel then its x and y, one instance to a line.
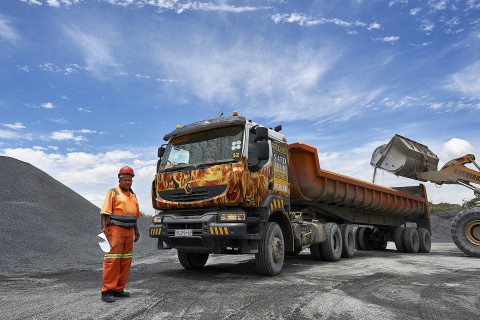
pixel 119 222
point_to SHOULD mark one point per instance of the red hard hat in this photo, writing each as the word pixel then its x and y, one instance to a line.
pixel 126 170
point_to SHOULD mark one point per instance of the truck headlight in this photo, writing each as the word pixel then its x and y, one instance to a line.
pixel 157 219
pixel 233 216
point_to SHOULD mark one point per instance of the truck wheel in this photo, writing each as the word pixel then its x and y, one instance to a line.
pixel 399 239
pixel 355 233
pixel 363 238
pixel 379 242
pixel 348 241
pixel 316 251
pixel 191 260
pixel 411 242
pixel 332 247
pixel 425 241
pixel 466 231
pixel 271 251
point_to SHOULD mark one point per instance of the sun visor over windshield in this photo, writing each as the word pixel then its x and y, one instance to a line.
pixel 206 124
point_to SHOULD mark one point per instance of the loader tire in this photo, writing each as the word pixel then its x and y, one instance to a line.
pixel 191 260
pixel 466 231
pixel 348 240
pixel 364 239
pixel 425 240
pixel 316 251
pixel 332 246
pixel 411 241
pixel 271 251
pixel 399 239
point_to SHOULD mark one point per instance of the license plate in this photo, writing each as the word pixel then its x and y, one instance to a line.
pixel 184 232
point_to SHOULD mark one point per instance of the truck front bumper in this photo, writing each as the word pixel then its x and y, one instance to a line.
pixel 204 234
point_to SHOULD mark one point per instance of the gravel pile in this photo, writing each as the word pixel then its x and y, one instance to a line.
pixel 47 227
pixel 441 224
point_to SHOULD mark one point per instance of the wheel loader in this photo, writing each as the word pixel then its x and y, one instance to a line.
pixel 407 158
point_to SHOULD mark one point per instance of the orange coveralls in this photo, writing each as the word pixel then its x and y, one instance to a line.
pixel 123 211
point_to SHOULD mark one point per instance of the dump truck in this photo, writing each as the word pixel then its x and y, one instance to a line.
pixel 228 185
pixel 407 158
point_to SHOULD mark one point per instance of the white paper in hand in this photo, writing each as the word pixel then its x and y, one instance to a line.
pixel 104 244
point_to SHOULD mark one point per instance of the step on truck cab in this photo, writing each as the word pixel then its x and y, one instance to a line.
pixel 231 186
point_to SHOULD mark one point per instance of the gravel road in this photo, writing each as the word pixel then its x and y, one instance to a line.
pixel 444 284
pixel 51 268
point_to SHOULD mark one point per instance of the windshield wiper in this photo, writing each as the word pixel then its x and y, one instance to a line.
pixel 183 166
pixel 205 165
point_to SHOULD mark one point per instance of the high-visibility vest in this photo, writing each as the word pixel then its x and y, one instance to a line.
pixel 122 208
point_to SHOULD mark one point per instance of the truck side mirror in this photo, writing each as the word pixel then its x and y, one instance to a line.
pixel 263 152
pixel 261 133
pixel 161 151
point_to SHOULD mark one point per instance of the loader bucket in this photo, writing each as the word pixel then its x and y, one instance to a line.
pixel 404 157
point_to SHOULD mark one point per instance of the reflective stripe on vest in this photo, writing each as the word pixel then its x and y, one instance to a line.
pixel 118 256
pixel 123 221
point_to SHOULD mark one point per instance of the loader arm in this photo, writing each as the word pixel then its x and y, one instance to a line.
pixel 455 172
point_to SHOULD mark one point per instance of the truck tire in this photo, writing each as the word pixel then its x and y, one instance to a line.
pixel 466 231
pixel 425 240
pixel 348 241
pixel 411 241
pixel 191 260
pixel 332 246
pixel 316 251
pixel 271 251
pixel 355 233
pixel 364 239
pixel 379 242
pixel 399 239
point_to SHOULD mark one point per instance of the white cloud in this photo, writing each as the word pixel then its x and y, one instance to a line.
pixel 92 175
pixel 438 5
pixel 391 39
pixel 427 26
pixel 466 81
pixel 7 134
pixel 53 3
pixel 97 49
pixel 455 148
pixel 7 32
pixel 34 2
pixel 14 126
pixel 70 135
pixel 374 26
pixel 47 105
pixel 23 68
pixel 303 20
pixel 415 11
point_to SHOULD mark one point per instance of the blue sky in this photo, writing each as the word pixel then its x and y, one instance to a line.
pixel 90 86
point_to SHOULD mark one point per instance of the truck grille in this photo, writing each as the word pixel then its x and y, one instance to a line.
pixel 197 194
pixel 175 226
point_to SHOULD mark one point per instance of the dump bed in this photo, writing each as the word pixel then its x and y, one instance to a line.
pixel 337 195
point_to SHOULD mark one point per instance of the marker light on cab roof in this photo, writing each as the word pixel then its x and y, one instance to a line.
pixel 235 113
pixel 178 126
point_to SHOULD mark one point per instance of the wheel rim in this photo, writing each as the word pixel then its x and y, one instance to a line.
pixel 277 249
pixel 472 231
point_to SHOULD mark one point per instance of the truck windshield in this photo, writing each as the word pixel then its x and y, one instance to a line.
pixel 205 148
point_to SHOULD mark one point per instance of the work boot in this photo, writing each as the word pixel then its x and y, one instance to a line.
pixel 107 296
pixel 121 294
